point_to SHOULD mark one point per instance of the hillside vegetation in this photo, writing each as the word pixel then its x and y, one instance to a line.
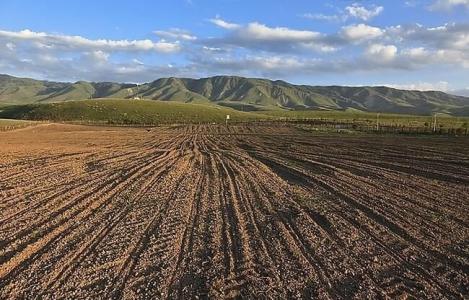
pixel 146 112
pixel 115 111
pixel 246 94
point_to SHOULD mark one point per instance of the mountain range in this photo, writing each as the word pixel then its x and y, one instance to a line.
pixel 240 93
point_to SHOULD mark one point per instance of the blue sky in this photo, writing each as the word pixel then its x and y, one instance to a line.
pixel 407 44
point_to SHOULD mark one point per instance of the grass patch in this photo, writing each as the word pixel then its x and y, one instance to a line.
pixel 14 124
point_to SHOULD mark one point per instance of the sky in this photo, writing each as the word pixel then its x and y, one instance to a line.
pixel 412 44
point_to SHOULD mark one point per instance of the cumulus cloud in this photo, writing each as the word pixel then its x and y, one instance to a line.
pixel 261 32
pixel 74 42
pixel 97 57
pixel 447 5
pixel 66 57
pixel 416 53
pixel 379 52
pixel 361 32
pixel 448 43
pixel 363 13
pixel 448 36
pixel 275 39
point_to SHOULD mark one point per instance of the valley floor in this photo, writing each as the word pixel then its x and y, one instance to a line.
pixel 252 211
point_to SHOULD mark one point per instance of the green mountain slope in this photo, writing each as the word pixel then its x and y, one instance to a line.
pixel 240 93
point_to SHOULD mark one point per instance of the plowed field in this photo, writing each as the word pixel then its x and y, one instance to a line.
pixel 250 211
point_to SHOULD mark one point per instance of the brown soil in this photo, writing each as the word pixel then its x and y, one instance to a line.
pixel 250 211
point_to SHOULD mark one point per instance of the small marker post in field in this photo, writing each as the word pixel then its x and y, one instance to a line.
pixel 434 121
pixel 226 120
pixel 377 122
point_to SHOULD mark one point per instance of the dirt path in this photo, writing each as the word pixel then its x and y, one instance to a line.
pixel 246 211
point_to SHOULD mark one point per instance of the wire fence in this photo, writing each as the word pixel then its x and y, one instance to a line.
pixel 308 124
pixel 380 128
pixel 14 126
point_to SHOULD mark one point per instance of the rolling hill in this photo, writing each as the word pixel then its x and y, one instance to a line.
pixel 239 93
pixel 119 111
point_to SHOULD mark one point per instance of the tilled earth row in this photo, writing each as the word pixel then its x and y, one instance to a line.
pixel 226 212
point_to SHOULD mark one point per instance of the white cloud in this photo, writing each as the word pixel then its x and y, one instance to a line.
pixel 447 44
pixel 257 36
pixel 421 86
pixel 23 34
pixel 261 32
pixel 318 47
pixel 64 42
pixel 363 13
pixel 361 32
pixel 223 24
pixel 273 62
pixel 381 53
pixel 66 57
pixel 354 11
pixel 462 92
pixel 260 65
pixel 176 34
pixel 323 17
pixel 92 66
pixel 10 46
pixel 213 49
pixel 137 61
pixel 252 49
pixel 98 56
pixel 452 57
pixel 449 4
pixel 416 53
pixel 417 56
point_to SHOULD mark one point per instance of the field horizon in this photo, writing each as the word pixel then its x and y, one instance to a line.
pixel 126 112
